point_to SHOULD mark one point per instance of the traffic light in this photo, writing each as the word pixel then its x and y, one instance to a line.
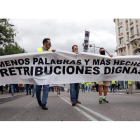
pixel 86 41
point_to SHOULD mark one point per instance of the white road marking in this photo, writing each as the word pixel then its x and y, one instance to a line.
pixel 91 111
pixel 81 111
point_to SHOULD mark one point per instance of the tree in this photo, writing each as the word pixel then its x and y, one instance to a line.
pixel 7 43
pixel 11 49
pixel 7 32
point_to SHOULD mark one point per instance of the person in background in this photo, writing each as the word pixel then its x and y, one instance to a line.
pixel 83 87
pixel 119 84
pixel 89 87
pixel 130 87
pixel 16 88
pixel 12 89
pixel 93 85
pixel 105 83
pixel 28 89
pixel 74 87
pixel 113 84
pixel 1 89
pixel 20 87
pixel 34 90
pixel 58 90
pixel 86 87
pixel 97 86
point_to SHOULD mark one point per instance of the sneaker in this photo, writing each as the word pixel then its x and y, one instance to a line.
pixel 105 100
pixel 100 100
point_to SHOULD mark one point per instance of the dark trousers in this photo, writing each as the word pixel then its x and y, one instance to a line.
pixel 1 89
pixel 74 91
pixel 113 87
pixel 28 88
pixel 97 87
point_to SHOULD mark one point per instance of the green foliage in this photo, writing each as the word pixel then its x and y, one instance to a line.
pixel 7 32
pixel 11 49
pixel 7 43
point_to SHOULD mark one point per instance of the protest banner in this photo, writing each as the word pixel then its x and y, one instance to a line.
pixel 62 67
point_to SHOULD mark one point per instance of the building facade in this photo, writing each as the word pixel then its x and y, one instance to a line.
pixel 128 39
pixel 127 36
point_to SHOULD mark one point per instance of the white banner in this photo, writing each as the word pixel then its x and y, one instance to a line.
pixel 66 67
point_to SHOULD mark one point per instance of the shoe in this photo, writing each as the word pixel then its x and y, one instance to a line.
pixel 131 92
pixel 26 94
pixel 44 107
pixel 12 94
pixel 59 93
pixel 32 95
pixel 127 92
pixel 78 102
pixel 105 100
pixel 100 100
pixel 39 102
pixel 73 103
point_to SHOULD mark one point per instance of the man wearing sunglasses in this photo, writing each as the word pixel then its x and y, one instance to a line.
pixel 46 47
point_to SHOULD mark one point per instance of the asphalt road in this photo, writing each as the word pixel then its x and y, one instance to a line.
pixel 121 107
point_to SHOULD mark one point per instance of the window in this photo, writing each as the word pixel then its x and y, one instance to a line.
pixel 132 31
pixel 121 40
pixel 137 29
pixel 119 21
pixel 120 30
pixel 131 20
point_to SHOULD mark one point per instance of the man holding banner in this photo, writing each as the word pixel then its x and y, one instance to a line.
pixel 46 47
pixel 105 83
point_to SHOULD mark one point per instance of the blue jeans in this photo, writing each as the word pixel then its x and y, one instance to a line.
pixel 12 88
pixel 83 87
pixel 28 88
pixel 34 90
pixel 74 91
pixel 45 93
pixel 89 88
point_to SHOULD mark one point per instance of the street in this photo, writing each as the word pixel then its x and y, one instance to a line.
pixel 121 107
